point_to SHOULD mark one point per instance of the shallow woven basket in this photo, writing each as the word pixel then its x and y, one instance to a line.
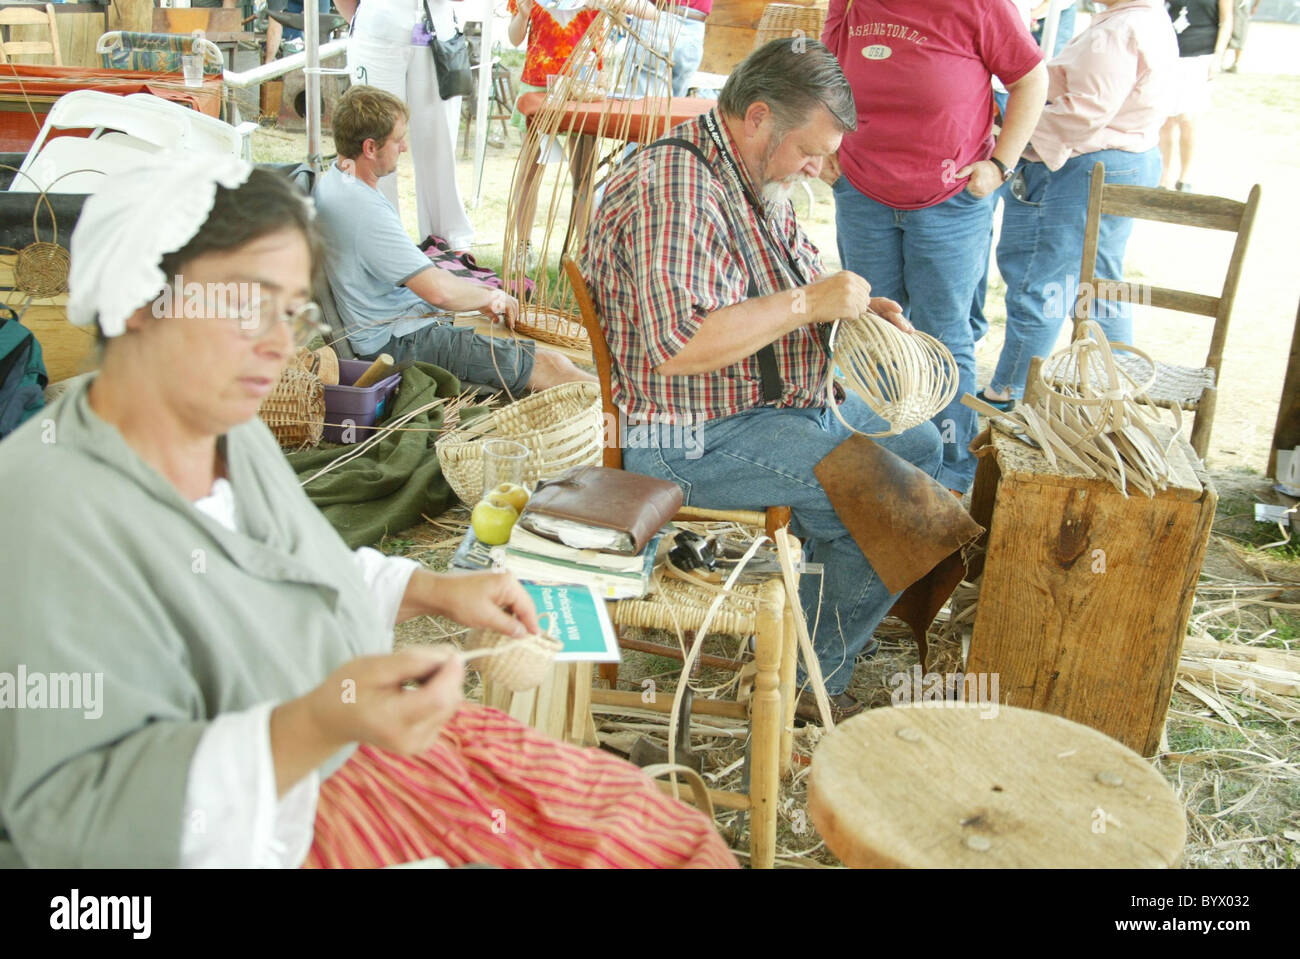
pixel 522 667
pixel 562 427
pixel 295 410
pixel 550 326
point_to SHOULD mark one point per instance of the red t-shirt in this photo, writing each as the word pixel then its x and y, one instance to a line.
pixel 921 73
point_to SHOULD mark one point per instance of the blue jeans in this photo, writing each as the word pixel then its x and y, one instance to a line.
pixel 1041 249
pixel 928 260
pixel 646 76
pixel 1064 29
pixel 765 457
pixel 470 357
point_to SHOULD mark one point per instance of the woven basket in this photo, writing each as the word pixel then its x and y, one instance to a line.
pixel 789 20
pixel 562 427
pixel 295 410
pixel 557 329
pixel 522 667
pixel 323 362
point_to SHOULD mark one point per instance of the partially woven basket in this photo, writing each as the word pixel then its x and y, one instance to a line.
pixel 562 427
pixel 905 378
pixel 555 328
pixel 295 410
pixel 521 666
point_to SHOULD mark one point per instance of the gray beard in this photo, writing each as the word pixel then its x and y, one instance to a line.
pixel 777 193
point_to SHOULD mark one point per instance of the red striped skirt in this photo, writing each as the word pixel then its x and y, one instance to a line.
pixel 495 791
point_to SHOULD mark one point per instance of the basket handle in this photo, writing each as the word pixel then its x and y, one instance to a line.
pixel 698 789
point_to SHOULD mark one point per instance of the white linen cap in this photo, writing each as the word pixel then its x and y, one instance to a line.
pixel 131 221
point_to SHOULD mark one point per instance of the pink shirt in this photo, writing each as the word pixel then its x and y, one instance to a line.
pixel 1110 88
pixel 921 74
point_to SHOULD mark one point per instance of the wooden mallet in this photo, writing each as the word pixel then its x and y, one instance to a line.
pixel 375 372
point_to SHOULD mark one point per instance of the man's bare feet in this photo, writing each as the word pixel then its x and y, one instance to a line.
pixel 552 369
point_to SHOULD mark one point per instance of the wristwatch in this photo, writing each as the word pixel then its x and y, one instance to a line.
pixel 1007 172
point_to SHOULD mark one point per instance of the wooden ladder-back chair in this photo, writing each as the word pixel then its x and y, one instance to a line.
pixel 1185 387
pixel 766 617
pixel 19 17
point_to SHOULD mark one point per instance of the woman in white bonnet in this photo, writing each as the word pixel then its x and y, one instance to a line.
pixel 237 698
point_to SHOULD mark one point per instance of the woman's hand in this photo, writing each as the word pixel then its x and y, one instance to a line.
pixel 493 601
pixel 365 701
pixel 368 700
pixel 985 177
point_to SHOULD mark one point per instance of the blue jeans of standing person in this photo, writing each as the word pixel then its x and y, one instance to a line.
pixel 765 457
pixel 1064 29
pixel 1040 252
pixel 672 34
pixel 928 260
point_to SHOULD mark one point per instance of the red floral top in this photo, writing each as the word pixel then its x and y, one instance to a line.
pixel 549 44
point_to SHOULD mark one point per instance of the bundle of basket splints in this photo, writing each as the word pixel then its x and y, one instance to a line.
pixel 1087 412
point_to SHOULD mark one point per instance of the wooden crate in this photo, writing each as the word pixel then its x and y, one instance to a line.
pixel 731 30
pixel 1085 594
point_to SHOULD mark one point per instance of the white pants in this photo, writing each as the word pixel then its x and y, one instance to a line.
pixel 381 55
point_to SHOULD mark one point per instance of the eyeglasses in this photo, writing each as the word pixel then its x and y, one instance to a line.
pixel 258 317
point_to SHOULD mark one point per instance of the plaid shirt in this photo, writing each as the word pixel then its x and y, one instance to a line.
pixel 671 243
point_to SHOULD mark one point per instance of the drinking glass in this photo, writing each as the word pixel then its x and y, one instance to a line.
pixel 503 462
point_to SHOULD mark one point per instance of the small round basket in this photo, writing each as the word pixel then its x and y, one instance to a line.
pixel 562 427
pixel 553 327
pixel 521 667
pixel 295 410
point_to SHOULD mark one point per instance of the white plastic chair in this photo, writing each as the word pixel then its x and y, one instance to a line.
pixel 75 165
pixel 203 132
pixel 100 113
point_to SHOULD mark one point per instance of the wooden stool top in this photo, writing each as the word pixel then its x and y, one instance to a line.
pixel 926 786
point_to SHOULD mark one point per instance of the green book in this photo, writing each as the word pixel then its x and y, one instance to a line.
pixel 581 622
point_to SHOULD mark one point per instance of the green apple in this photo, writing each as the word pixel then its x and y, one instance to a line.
pixel 492 519
pixel 512 493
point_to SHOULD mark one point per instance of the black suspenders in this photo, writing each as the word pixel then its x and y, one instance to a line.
pixel 769 374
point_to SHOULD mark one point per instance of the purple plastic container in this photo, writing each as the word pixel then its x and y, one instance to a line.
pixel 352 411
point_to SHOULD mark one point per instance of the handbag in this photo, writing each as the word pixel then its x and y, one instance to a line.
pixel 450 60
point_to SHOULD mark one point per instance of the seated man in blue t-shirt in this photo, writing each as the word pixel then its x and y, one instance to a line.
pixel 391 298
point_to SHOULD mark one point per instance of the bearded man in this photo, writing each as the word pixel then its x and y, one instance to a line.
pixel 714 304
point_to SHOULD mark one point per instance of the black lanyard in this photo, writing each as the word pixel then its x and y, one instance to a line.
pixel 755 202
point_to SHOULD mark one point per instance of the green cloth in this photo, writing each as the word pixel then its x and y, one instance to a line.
pixel 399 479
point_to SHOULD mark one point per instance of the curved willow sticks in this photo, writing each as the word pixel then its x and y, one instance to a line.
pixel 598 72
pixel 1091 414
pixel 905 378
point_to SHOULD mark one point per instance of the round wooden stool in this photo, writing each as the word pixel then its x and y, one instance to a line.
pixel 928 786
